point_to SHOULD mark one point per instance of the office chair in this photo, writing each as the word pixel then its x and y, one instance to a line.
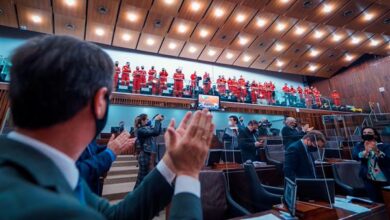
pixel 262 199
pixel 347 177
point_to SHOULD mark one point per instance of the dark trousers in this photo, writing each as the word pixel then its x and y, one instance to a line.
pixel 143 167
pixel 374 189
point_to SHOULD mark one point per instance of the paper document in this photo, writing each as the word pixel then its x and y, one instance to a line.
pixel 344 204
pixel 264 217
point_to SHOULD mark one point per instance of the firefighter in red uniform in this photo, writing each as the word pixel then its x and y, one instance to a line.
pixel 125 79
pixel 254 91
pixel 308 97
pixel 336 98
pixel 193 82
pixel 137 80
pixel 178 78
pixel 143 77
pixel 116 75
pixel 221 85
pixel 230 83
pixel 317 96
pixel 286 91
pixel 163 80
pixel 206 83
pixel 151 75
pixel 293 95
pixel 155 82
pixel 262 92
pixel 272 92
pixel 300 93
pixel 241 89
pixel 234 87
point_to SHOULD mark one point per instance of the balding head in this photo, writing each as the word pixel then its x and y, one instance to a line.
pixel 291 122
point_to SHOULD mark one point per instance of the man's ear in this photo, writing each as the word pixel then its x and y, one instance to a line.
pixel 100 102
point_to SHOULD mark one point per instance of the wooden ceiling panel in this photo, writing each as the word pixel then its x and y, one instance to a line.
pixel 103 11
pixel 346 14
pixel 278 48
pixel 99 33
pixel 191 50
pixel 8 14
pixel 326 10
pixel 218 12
pixel 384 49
pixel 330 56
pixel 228 56
pixel 355 40
pixel 242 41
pixel 149 42
pixel 125 38
pixel 260 23
pixel 281 26
pixel 328 70
pixel 279 64
pixel 295 66
pixel 203 33
pixel 131 17
pixel 210 54
pixel 171 47
pixel 314 53
pixel 318 34
pixel 262 62
pixel 68 25
pixel 296 50
pixel 193 9
pixel 299 31
pixel 261 44
pixel 137 3
pixel 368 17
pixel 157 24
pixel 181 29
pixel 240 18
pixel 34 19
pixel 336 38
pixel 279 6
pixel 381 25
pixel 347 58
pixel 245 59
pixel 372 45
pixel 167 7
pixel 311 69
pixel 255 4
pixel 383 2
pixel 223 37
pixel 40 4
pixel 71 9
pixel 302 8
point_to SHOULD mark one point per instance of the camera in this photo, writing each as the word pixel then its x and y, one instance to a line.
pixel 265 124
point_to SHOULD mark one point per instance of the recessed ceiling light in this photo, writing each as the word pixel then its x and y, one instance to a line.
pixel 279 63
pixel 374 42
pixel 314 52
pixel 70 2
pixel 280 26
pixel 284 1
pixel 261 22
pixel 36 19
pixel 168 2
pixel 247 58
pixel 240 18
pixel 279 47
pixel 229 56
pixel 211 53
pixel 195 6
pixel 203 33
pixel 99 32
pixel 327 8
pixel 368 16
pixel 337 37
pixel 150 41
pixel 192 49
pixel 172 46
pixel 348 57
pixel 182 28
pixel 132 17
pixel 218 12
pixel 126 37
pixel 355 40
pixel 243 40
pixel 318 34
pixel 299 30
pixel 312 67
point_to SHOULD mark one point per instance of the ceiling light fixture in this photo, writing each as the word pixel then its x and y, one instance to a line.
pixel 261 22
pixel 368 16
pixel 169 2
pixel 374 43
pixel 284 1
pixel 327 8
pixel 99 32
pixel 312 67
pixel 279 63
pixel 348 57
pixel 195 6
pixel 203 33
pixel 243 40
pixel 280 26
pixel 218 12
pixel 299 30
pixel 172 46
pixel 247 58
pixel 229 56
pixel 355 40
pixel 314 52
pixel 149 41
pixel 279 47
pixel 36 19
pixel 126 37
pixel 192 49
pixel 132 17
pixel 240 18
pixel 318 34
pixel 211 53
pixel 336 37
pixel 182 28
pixel 70 2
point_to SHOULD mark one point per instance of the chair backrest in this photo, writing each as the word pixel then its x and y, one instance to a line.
pixel 275 140
pixel 275 152
pixel 356 138
pixel 213 194
pixel 332 144
pixel 348 173
pixel 336 138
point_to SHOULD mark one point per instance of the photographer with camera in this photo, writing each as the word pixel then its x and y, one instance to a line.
pixel 147 149
pixel 264 125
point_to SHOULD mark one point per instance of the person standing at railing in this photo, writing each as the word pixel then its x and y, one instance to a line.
pixel 335 97
pixel 178 78
pixel 241 89
pixel 125 78
pixel 254 92
pixel 293 95
pixel 286 91
pixel 163 80
pixel 136 80
pixel 300 93
pixel 234 87
pixel 193 81
pixel 116 75
pixel 317 97
pixel 143 77
pixel 206 83
pixel 151 75
pixel 308 98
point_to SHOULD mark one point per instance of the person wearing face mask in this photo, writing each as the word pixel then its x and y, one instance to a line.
pixel 231 134
pixel 291 133
pixel 241 123
pixel 374 157
pixel 247 141
pixel 145 132
pixel 299 162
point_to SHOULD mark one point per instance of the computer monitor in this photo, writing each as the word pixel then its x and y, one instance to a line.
pixel 231 156
pixel 290 195
pixel 208 101
pixel 315 189
pixel 213 157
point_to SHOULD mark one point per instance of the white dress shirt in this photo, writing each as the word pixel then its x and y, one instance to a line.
pixel 68 167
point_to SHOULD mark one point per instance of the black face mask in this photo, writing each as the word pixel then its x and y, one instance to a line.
pixel 101 123
pixel 368 137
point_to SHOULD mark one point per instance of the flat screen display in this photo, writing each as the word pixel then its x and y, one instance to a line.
pixel 290 195
pixel 210 102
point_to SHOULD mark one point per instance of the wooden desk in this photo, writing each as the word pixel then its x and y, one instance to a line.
pixel 378 212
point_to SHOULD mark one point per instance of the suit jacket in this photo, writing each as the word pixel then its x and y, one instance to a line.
pixel 384 163
pixel 32 187
pixel 94 163
pixel 290 135
pixel 246 142
pixel 298 162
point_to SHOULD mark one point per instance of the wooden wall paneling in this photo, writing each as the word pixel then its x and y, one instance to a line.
pixel 8 14
pixel 240 18
pixel 299 31
pixel 191 50
pixel 170 7
pixel 368 17
pixel 171 46
pixel 210 54
pixel 193 10
pixel 228 56
pixel 103 11
pixel 99 33
pixel 69 25
pixel 246 59
pixel 260 23
pixel 327 71
pixel 262 62
pixel 279 7
pixel 281 26
pixel 125 38
pixel 318 34
pixel 131 17
pixel 346 14
pixel 181 29
pixel 34 19
pixel 149 42
pixel 140 4
pixel 40 4
pixel 157 24
pixel 301 9
pixel 256 4
pixel 242 41
pixel 203 33
pixel 218 12
pixel 77 10
pixel 223 37
pixel 381 25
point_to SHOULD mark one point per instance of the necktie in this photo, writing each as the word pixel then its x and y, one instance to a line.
pixel 79 192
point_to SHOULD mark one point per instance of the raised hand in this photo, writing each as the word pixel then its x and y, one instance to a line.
pixel 120 143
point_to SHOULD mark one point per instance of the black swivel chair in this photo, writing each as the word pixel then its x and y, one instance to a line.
pixel 347 178
pixel 262 197
pixel 274 155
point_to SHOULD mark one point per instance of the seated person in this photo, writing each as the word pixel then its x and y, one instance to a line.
pixel 299 162
pixel 247 141
pixel 231 134
pixel 95 161
pixel 375 162
pixel 291 133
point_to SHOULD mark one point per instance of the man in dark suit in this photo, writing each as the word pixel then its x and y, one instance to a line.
pixel 59 97
pixel 299 162
pixel 95 161
pixel 247 141
pixel 291 133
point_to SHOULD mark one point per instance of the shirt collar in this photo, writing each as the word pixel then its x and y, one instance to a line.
pixel 64 163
